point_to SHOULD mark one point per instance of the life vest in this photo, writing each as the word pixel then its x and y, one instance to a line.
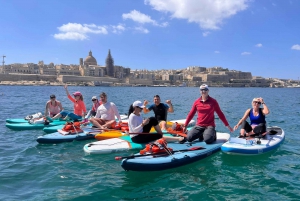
pixel 72 127
pixel 123 127
pixel 176 130
pixel 157 147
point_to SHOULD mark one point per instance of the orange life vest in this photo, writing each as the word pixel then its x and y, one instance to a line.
pixel 157 147
pixel 72 127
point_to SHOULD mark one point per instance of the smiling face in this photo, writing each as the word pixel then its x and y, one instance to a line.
pixel 156 100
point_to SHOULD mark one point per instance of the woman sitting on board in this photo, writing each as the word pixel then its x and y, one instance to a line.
pixel 79 107
pixel 257 118
pixel 137 125
pixel 53 106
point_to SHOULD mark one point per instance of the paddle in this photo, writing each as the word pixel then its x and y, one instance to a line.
pixel 159 154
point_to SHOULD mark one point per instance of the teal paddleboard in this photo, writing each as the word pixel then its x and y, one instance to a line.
pixel 28 126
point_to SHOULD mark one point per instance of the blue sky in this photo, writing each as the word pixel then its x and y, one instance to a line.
pixel 257 36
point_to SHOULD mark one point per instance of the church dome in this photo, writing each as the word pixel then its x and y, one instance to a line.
pixel 90 60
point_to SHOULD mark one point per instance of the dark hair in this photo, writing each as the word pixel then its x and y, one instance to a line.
pixel 103 94
pixel 156 96
pixel 131 109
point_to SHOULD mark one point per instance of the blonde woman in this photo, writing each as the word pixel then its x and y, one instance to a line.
pixel 257 117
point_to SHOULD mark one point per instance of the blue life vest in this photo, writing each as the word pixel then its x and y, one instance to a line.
pixel 260 118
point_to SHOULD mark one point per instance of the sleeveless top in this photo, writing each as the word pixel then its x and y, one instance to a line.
pixel 260 118
pixel 160 111
pixel 53 109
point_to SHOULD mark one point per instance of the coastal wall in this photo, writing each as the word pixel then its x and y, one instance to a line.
pixel 141 81
pixel 27 77
pixel 71 78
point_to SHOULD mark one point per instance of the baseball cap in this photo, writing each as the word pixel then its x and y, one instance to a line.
pixel 52 96
pixel 77 93
pixel 138 104
pixel 94 98
pixel 204 86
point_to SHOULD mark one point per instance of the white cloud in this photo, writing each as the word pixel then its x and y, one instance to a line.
pixel 141 18
pixel 217 52
pixel 208 14
pixel 138 17
pixel 204 34
pixel 245 53
pixel 75 31
pixel 70 36
pixel 258 45
pixel 118 29
pixel 142 30
pixel 295 47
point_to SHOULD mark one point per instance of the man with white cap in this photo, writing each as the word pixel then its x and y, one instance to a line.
pixel 205 106
pixel 137 125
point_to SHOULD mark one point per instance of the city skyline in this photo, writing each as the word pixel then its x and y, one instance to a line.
pixel 244 35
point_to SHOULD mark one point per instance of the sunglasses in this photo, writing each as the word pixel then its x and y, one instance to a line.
pixel 203 89
pixel 52 97
pixel 94 99
pixel 256 102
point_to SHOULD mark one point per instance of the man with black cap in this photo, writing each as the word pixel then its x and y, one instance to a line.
pixel 53 107
pixel 205 106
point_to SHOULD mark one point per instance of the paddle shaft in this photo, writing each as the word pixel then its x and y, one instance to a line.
pixel 159 154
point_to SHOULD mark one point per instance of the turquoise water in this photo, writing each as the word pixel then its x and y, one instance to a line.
pixel 29 171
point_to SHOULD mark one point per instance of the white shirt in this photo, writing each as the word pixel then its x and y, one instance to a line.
pixel 107 111
pixel 135 124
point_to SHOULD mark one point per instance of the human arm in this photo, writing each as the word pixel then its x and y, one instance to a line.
pixel 145 109
pixel 171 109
pixel 66 89
pixel 222 116
pixel 242 119
pixel 116 112
pixel 136 123
pixel 190 116
pixel 47 109
pixel 60 105
pixel 265 109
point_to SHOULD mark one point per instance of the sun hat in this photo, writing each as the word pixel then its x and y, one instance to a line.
pixel 77 93
pixel 94 98
pixel 138 104
pixel 52 96
pixel 204 86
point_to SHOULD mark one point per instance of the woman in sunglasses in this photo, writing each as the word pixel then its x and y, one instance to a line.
pixel 257 118
pixel 96 104
pixel 79 107
pixel 139 129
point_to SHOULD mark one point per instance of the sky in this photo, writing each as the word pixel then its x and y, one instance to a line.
pixel 257 36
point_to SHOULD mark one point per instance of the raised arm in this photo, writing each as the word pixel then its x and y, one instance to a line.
pixel 171 109
pixel 265 109
pixel 145 109
pixel 66 88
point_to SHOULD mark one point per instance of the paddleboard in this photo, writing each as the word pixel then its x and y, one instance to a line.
pixel 255 146
pixel 28 126
pixel 188 153
pixel 123 143
pixel 59 137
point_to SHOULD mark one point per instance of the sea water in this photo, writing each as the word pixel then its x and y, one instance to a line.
pixel 31 171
